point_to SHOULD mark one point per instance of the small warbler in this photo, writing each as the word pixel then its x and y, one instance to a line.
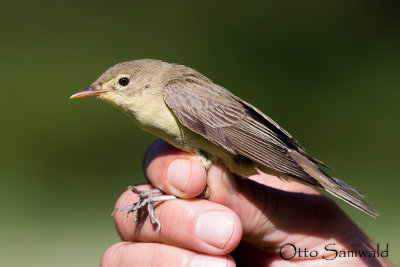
pixel 189 111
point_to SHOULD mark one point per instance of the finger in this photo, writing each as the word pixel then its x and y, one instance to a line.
pixel 272 209
pixel 128 254
pixel 198 225
pixel 174 171
pixel 284 185
pixel 269 216
pixel 179 173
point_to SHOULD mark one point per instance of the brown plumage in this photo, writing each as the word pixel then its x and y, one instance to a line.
pixel 213 122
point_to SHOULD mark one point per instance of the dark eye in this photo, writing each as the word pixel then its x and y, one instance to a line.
pixel 124 81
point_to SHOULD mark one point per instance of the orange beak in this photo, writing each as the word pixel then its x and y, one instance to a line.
pixel 89 91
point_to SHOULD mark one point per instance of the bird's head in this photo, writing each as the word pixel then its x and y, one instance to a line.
pixel 124 82
pixel 136 88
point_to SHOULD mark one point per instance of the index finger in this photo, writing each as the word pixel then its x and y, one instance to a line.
pixel 180 173
pixel 174 171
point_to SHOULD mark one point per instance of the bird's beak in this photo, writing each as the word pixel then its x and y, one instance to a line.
pixel 89 91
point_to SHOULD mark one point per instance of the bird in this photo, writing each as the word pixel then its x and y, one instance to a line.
pixel 192 113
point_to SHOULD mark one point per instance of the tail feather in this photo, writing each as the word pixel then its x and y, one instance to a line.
pixel 333 185
pixel 346 186
pixel 348 194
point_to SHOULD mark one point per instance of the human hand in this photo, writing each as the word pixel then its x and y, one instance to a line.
pixel 262 221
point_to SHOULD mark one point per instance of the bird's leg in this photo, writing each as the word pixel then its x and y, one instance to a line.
pixel 151 196
pixel 206 192
pixel 147 197
pixel 206 159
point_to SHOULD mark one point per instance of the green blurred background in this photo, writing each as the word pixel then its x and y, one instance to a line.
pixel 327 71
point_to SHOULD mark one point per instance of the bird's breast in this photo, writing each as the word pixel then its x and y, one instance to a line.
pixel 152 115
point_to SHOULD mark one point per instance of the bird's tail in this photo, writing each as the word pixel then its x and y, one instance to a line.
pixel 348 194
pixel 333 185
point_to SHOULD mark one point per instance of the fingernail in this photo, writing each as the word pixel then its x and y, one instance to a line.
pixel 215 228
pixel 207 261
pixel 178 175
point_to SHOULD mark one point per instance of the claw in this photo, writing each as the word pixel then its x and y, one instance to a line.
pixel 146 197
pixel 153 216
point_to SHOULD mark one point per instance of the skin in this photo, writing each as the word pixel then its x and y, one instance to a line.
pixel 263 214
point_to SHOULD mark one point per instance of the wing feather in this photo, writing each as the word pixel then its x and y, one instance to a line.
pixel 216 114
pixel 228 121
pixel 281 133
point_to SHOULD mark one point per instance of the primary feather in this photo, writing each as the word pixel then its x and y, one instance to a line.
pixel 228 121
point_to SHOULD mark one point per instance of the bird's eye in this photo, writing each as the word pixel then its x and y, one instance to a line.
pixel 124 81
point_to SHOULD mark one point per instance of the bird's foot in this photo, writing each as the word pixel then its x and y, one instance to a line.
pixel 146 197
pixel 204 157
pixel 206 193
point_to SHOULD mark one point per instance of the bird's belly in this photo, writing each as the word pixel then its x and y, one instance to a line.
pixel 168 127
pixel 234 163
